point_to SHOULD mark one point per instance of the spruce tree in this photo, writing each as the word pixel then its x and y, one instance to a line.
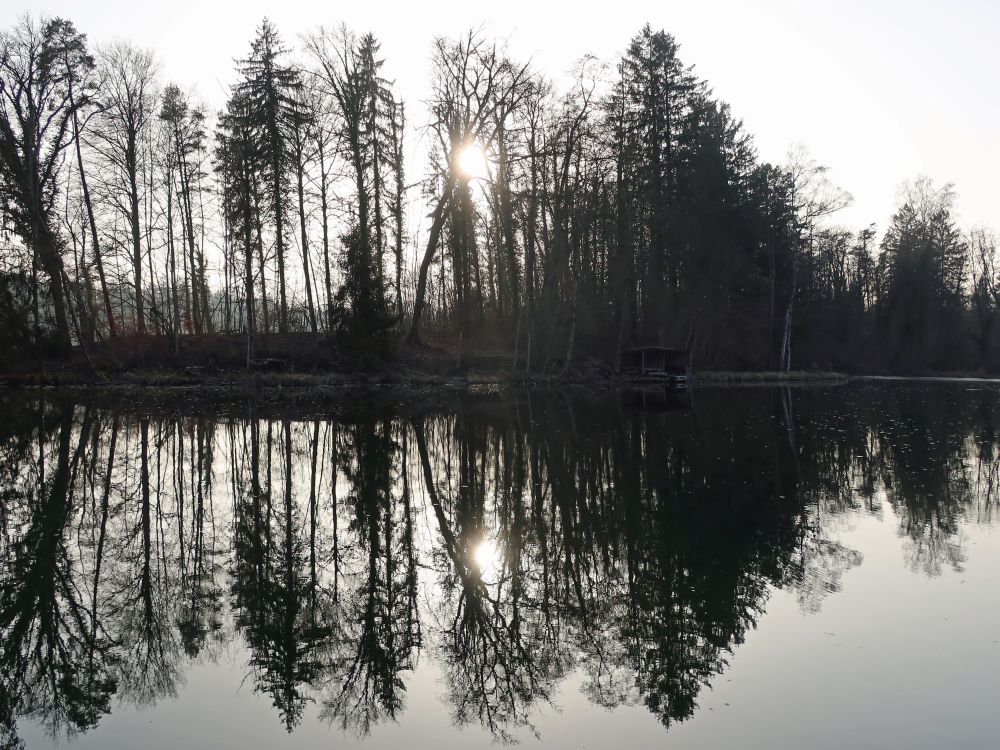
pixel 271 91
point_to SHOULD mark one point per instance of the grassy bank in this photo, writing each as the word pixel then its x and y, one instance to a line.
pixel 241 382
pixel 749 378
pixel 303 363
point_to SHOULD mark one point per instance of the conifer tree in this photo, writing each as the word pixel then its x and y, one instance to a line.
pixel 271 89
pixel 238 160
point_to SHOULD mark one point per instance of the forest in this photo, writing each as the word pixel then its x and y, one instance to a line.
pixel 549 221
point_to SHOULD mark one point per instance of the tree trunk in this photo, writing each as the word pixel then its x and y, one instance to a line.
pixel 91 221
pixel 324 210
pixel 433 238
pixel 279 229
pixel 133 186
pixel 304 238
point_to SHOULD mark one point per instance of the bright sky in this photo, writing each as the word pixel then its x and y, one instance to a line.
pixel 879 90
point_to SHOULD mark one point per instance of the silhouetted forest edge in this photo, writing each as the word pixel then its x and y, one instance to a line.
pixel 541 227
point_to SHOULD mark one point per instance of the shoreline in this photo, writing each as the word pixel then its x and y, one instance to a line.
pixel 312 395
pixel 239 383
pixel 212 364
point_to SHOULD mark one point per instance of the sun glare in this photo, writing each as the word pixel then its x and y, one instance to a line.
pixel 487 558
pixel 472 162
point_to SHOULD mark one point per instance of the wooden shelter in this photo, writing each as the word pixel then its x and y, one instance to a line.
pixel 656 362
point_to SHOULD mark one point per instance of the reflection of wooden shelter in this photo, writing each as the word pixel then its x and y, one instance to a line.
pixel 656 398
pixel 656 362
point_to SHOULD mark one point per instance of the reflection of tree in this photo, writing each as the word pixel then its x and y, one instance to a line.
pixel 149 645
pixel 52 665
pixel 923 466
pixel 818 567
pixel 494 670
pixel 637 547
pixel 198 611
pixel 273 592
pixel 706 535
pixel 986 480
pixel 382 628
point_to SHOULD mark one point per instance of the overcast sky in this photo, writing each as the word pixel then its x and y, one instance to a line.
pixel 879 90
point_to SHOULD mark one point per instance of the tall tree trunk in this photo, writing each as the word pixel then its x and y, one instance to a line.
pixel 48 257
pixel 187 219
pixel 302 228
pixel 171 252
pixel 279 227
pixel 91 220
pixel 131 160
pixel 506 234
pixel 433 238
pixel 260 254
pixel 398 124
pixel 324 211
pixel 248 270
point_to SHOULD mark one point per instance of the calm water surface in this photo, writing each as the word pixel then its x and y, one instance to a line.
pixel 764 567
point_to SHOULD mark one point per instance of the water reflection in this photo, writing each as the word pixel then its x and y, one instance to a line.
pixel 513 539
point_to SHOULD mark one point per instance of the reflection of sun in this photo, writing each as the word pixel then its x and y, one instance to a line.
pixel 487 558
pixel 472 163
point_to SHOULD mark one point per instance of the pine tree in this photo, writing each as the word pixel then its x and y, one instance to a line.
pixel 925 261
pixel 656 89
pixel 238 159
pixel 271 89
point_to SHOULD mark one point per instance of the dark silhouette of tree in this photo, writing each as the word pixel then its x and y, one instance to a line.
pixel 185 138
pixel 984 290
pixel 476 87
pixel 370 142
pixel 38 62
pixel 79 87
pixel 238 160
pixel 271 90
pixel 925 261
pixel 122 135
pixel 301 127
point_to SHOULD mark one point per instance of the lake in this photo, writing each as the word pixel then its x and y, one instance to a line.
pixel 770 567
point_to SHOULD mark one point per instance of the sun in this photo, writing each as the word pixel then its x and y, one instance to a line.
pixel 472 162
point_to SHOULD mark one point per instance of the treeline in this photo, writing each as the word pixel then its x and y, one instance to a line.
pixel 325 557
pixel 627 206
